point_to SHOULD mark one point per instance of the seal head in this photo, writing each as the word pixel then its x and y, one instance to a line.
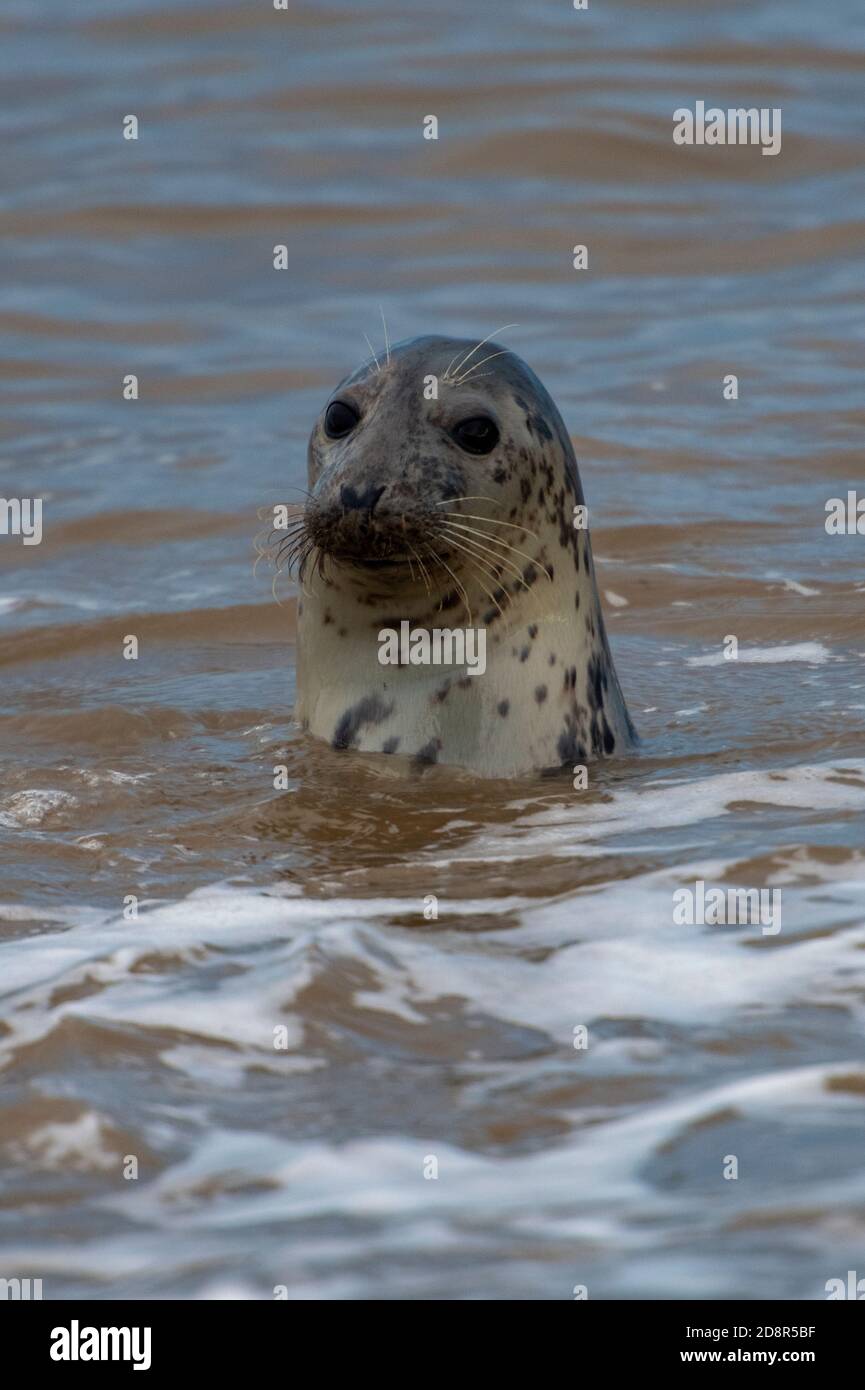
pixel 444 494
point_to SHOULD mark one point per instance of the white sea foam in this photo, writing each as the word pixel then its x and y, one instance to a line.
pixel 815 653
pixel 607 953
pixel 32 807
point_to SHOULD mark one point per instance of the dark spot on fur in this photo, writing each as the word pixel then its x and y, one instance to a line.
pixel 597 684
pixel 533 630
pixel 541 694
pixel 552 658
pixel 390 745
pixel 503 706
pixel 524 654
pixel 427 755
pixel 369 710
pixel 569 748
pixel 541 427
pixel 499 475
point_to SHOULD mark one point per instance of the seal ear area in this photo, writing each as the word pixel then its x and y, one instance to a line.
pixel 476 434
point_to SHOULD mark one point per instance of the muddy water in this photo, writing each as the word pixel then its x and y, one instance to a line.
pixel 409 1039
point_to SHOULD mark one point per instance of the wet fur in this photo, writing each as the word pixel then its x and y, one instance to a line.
pixel 550 695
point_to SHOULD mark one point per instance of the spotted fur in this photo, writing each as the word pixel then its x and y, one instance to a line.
pixel 384 548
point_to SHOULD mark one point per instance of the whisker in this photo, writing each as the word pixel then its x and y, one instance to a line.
pixel 290 552
pixel 501 562
pixel 467 497
pixel 458 381
pixel 469 548
pixel 310 552
pixel 278 530
pixel 374 356
pixel 426 572
pixel 499 559
pixel 476 564
pixel 301 558
pixel 438 559
pixel 384 326
pixel 506 544
pixel 421 564
pixel 503 329
pixel 277 540
pixel 273 551
pixel 264 512
pixel 472 516
pixel 286 549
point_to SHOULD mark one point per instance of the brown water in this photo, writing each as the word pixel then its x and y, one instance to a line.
pixel 411 1039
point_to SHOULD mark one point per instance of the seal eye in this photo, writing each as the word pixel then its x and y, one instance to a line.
pixel 478 435
pixel 339 419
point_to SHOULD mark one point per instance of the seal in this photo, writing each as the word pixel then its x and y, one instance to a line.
pixel 444 494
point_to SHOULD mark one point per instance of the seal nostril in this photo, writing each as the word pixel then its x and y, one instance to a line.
pixel 353 501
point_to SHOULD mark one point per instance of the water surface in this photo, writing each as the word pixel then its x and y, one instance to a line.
pixel 410 1039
